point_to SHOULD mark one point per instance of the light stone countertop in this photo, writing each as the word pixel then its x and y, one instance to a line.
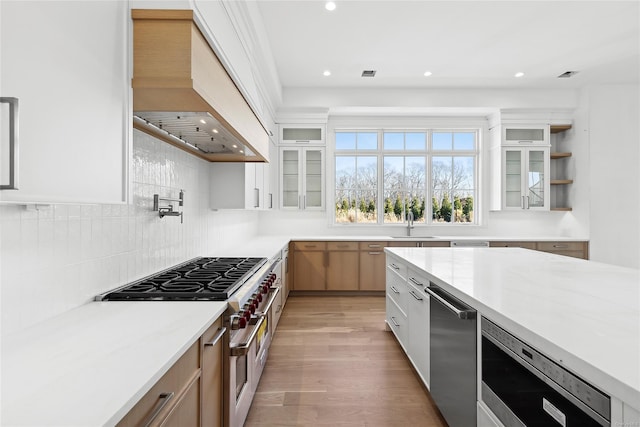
pixel 583 314
pixel 91 365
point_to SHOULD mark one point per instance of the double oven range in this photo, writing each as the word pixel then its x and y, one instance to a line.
pixel 249 286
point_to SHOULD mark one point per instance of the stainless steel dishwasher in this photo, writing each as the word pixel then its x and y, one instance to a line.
pixel 453 357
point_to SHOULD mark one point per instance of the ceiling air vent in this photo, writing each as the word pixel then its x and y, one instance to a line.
pixel 567 74
pixel 369 73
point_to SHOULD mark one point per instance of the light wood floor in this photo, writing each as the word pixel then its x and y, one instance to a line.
pixel 332 363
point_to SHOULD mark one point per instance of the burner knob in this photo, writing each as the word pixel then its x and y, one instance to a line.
pixel 259 297
pixel 247 315
pixel 273 277
pixel 265 289
pixel 242 323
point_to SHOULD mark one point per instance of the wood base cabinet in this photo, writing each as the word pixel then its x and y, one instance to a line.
pixel 342 266
pixel 190 393
pixel 174 400
pixel 309 269
pixel 372 266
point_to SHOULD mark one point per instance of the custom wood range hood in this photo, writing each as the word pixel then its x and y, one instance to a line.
pixel 183 95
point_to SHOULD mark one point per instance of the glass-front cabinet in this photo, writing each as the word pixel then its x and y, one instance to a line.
pixel 525 178
pixel 302 178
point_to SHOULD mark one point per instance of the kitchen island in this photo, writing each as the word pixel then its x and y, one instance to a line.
pixel 584 315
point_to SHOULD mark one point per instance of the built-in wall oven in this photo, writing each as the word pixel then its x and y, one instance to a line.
pixel 523 387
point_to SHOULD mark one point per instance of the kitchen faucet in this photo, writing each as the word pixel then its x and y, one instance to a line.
pixel 409 222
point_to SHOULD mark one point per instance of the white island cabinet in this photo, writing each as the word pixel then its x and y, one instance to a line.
pixel 555 304
pixel 67 64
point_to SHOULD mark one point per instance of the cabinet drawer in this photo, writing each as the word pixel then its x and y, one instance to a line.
pixel 178 378
pixel 526 245
pixel 396 267
pixel 310 246
pixel 397 322
pixel 397 290
pixel 560 246
pixel 417 280
pixel 372 246
pixel 572 249
pixel 342 246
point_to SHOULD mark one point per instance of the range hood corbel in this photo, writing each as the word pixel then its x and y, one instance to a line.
pixel 183 95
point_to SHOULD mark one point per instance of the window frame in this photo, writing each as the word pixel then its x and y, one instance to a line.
pixel 473 125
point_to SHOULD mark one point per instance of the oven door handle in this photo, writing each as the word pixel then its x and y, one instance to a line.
pixel 275 290
pixel 243 348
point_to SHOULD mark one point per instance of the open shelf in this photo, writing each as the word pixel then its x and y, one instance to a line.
pixel 561 181
pixel 562 209
pixel 559 128
pixel 558 155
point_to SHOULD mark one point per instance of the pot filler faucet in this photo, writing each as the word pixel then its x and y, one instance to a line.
pixel 409 222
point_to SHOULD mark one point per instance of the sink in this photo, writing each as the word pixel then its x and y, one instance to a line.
pixel 414 237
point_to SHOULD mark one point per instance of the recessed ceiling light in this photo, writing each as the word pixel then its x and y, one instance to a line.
pixel 202 121
pixel 326 73
pixel 427 73
pixel 215 130
pixel 519 74
pixel 241 151
pixel 234 146
pixel 330 5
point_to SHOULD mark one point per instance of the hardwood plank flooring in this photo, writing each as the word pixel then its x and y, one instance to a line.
pixel 332 363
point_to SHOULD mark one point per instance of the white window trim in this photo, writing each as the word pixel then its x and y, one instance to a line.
pixel 408 124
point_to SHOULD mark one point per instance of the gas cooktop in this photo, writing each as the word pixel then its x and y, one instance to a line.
pixel 212 279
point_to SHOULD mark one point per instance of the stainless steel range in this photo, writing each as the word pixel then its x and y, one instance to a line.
pixel 249 286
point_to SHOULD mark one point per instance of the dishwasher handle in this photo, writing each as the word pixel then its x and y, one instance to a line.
pixel 461 310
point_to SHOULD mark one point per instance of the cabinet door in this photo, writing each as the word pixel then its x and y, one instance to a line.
pixel 418 320
pixel 513 165
pixel 537 180
pixel 372 269
pixel 313 196
pixel 290 178
pixel 233 186
pixel 67 63
pixel 309 271
pixel 212 371
pixel 302 133
pixel 526 178
pixel 342 270
pixel 187 411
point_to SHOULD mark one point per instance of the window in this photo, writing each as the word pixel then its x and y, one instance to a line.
pixel 381 176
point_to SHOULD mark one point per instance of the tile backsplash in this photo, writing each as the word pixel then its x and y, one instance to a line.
pixel 57 257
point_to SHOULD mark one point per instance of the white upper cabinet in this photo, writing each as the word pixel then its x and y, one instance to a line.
pixel 302 178
pixel 237 186
pixel 526 135
pixel 520 167
pixel 525 178
pixel 302 134
pixel 67 64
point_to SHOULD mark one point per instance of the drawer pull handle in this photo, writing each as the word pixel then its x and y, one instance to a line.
pixel 561 246
pixel 415 296
pixel 343 246
pixel 375 246
pixel 163 399
pixel 415 282
pixel 395 267
pixel 395 290
pixel 375 253
pixel 310 246
pixel 216 338
pixel 393 320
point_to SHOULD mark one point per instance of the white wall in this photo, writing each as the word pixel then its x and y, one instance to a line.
pixel 57 257
pixel 615 174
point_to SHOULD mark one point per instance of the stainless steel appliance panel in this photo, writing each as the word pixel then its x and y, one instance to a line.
pixel 453 357
pixel 525 388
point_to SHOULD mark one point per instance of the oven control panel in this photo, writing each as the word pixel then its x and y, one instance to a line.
pixel 545 367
